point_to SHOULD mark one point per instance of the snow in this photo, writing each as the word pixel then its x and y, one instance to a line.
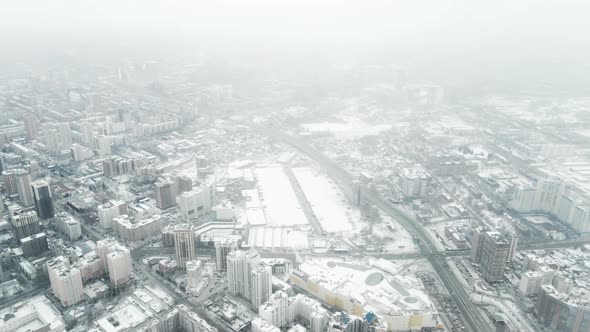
pixel 327 201
pixel 350 127
pixel 278 199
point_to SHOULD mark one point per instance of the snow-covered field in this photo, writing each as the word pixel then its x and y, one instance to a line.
pixel 327 201
pixel 395 238
pixel 273 212
pixel 350 127
pixel 277 198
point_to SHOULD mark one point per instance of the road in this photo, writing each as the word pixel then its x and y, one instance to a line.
pixel 473 317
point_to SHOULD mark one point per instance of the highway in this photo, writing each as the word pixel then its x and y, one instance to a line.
pixel 473 317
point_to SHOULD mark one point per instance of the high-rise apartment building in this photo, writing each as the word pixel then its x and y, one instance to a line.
pixel 87 134
pixel 261 284
pixel 116 260
pixel 69 226
pixel 23 187
pixel 30 123
pixel 9 176
pixel 165 194
pixel 65 135
pixel 119 266
pixel 248 277
pixel 66 281
pixel 184 241
pixel 34 245
pixel 26 224
pixel 103 145
pixel 491 250
pixel 194 274
pixel 223 246
pixel 184 183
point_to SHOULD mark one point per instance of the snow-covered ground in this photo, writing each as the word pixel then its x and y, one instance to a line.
pixel 273 212
pixel 394 237
pixel 278 199
pixel 327 201
pixel 350 127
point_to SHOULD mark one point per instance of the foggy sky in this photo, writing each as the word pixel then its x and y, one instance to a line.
pixel 439 32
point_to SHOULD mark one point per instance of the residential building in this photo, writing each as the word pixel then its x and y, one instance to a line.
pixel 66 282
pixel 223 246
pixel 110 210
pixel 165 194
pixel 184 241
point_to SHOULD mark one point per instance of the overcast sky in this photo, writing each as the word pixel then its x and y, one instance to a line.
pixel 424 31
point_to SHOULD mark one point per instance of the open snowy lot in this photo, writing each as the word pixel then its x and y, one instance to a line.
pixel 278 199
pixel 327 201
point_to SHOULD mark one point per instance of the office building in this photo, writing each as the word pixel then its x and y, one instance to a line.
pixel 34 245
pixel 184 241
pixel 491 250
pixel 223 246
pixel 66 281
pixel 30 123
pixel 110 210
pixel 23 187
pixel 165 194
pixel 43 201
pixel 26 223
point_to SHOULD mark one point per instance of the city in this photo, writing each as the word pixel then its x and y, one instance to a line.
pixel 187 193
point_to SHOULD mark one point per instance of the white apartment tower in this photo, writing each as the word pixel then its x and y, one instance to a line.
pixel 110 210
pixel 66 282
pixel 184 241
